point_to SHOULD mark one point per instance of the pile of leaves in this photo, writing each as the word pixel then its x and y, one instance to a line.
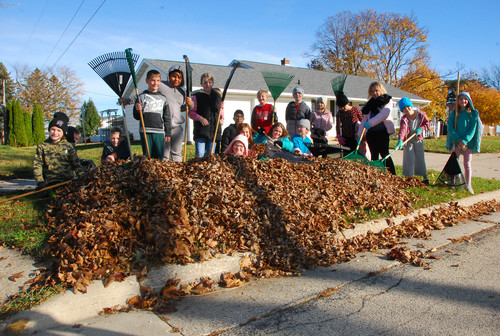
pixel 289 215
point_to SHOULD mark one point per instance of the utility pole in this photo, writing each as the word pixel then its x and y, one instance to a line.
pixel 3 110
pixel 3 92
pixel 83 124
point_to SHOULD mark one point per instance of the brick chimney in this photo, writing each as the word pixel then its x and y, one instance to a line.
pixel 285 62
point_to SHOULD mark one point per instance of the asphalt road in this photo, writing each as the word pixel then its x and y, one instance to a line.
pixel 458 295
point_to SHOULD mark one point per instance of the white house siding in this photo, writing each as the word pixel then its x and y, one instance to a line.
pixel 246 100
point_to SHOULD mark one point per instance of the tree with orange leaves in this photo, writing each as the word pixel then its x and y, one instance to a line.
pixel 486 101
pixel 53 90
pixel 424 82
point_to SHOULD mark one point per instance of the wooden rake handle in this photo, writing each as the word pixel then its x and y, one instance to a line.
pixel 35 191
pixel 404 143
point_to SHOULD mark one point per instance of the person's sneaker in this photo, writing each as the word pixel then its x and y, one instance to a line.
pixel 469 189
pixel 425 181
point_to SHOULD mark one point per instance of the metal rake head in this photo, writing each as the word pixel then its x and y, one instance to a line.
pixel 114 69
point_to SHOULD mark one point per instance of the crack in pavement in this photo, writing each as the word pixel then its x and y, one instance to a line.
pixel 323 294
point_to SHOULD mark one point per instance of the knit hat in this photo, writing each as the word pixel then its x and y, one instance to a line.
pixel 305 123
pixel 60 120
pixel 241 138
pixel 176 68
pixel 298 89
pixel 342 99
pixel 319 100
pixel 404 102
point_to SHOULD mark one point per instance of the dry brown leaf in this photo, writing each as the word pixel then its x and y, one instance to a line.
pixel 15 276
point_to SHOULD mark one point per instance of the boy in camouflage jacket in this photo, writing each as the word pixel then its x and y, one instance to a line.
pixel 55 159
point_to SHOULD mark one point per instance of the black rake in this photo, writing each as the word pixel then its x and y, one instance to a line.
pixel 114 69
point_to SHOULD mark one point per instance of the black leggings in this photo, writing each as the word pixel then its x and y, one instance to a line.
pixel 378 142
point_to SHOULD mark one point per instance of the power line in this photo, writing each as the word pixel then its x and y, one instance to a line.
pixel 100 94
pixel 79 33
pixel 63 33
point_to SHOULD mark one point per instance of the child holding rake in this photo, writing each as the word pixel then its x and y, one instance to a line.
pixel 413 122
pixel 55 159
pixel 205 112
pixel 465 138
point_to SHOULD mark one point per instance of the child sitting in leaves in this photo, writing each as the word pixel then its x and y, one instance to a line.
pixel 230 131
pixel 277 135
pixel 301 141
pixel 238 147
pixel 55 159
pixel 72 136
pixel 115 148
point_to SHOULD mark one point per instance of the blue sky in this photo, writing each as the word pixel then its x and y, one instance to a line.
pixel 211 32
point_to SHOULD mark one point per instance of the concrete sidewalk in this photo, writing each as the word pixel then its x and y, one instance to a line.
pixel 483 165
pixel 8 186
pixel 326 297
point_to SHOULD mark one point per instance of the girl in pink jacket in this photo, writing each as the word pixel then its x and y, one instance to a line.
pixel 413 121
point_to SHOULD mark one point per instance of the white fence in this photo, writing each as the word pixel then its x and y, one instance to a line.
pixel 434 129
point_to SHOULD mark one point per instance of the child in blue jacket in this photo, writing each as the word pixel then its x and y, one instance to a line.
pixel 301 141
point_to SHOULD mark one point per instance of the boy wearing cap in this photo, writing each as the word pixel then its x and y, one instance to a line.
pixel 296 110
pixel 301 142
pixel 413 121
pixel 55 159
pixel 347 118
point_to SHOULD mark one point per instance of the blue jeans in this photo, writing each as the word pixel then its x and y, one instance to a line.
pixel 203 147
